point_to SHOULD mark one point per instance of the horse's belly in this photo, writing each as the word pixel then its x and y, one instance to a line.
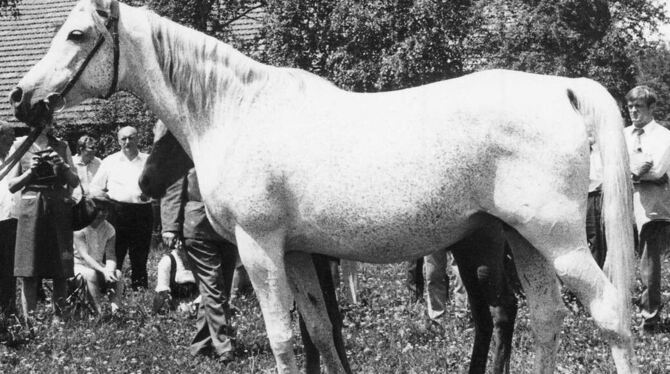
pixel 381 239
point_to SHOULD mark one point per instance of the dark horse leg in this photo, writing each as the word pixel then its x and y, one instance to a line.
pixel 480 260
pixel 312 358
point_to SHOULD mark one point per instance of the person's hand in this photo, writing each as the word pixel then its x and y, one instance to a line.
pixel 169 238
pixel 55 159
pixel 640 165
pixel 34 161
pixel 110 275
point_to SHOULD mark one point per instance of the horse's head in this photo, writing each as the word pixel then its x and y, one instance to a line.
pixel 82 62
pixel 166 164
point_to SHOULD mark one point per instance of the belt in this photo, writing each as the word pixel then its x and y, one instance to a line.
pixel 43 187
pixel 646 182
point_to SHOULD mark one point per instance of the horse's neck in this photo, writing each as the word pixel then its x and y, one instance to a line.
pixel 201 71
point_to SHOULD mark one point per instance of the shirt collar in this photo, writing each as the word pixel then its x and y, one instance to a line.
pixel 650 126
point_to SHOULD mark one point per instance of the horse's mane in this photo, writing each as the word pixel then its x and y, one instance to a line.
pixel 199 67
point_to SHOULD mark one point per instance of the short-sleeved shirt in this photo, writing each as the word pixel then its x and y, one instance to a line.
pixel 95 239
pixel 119 177
pixel 86 172
pixel 651 201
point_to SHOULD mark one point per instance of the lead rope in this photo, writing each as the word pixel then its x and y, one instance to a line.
pixel 15 157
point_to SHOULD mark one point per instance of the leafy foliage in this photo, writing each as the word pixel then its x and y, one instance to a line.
pixel 572 38
pixel 384 44
pixel 9 6
pixel 654 70
pixel 369 46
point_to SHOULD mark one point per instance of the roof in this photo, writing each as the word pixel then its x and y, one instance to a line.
pixel 23 41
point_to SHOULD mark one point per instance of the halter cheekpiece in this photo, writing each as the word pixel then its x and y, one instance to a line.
pixel 112 25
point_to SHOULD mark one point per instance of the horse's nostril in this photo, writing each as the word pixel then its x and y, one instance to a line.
pixel 16 96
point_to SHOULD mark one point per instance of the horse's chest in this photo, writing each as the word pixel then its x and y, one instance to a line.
pixel 256 204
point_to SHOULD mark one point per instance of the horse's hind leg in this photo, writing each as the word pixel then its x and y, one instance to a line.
pixel 581 274
pixel 480 262
pixel 313 308
pixel 541 286
pixel 312 361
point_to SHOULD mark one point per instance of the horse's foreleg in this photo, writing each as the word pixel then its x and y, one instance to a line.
pixel 541 286
pixel 321 263
pixel 312 359
pixel 263 258
pixel 320 314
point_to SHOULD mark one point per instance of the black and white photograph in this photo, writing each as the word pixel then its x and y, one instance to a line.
pixel 335 186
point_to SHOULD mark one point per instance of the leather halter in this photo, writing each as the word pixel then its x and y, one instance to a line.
pixel 112 26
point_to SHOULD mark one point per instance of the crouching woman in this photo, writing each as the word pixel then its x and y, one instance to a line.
pixel 95 259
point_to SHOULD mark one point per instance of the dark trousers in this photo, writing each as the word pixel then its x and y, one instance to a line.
pixel 415 281
pixel 213 264
pixel 595 230
pixel 653 243
pixel 133 224
pixel 7 279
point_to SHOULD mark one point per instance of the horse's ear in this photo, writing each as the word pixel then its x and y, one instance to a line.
pixel 101 7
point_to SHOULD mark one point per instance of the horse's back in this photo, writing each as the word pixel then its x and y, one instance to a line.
pixel 414 166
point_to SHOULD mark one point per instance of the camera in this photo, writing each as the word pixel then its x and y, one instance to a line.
pixel 44 171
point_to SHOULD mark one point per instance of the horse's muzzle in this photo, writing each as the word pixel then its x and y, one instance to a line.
pixel 38 114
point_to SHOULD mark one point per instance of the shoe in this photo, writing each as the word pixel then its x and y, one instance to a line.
pixel 226 358
pixel 650 327
pixel 115 308
pixel 433 326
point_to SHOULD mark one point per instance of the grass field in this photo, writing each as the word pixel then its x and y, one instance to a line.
pixel 384 334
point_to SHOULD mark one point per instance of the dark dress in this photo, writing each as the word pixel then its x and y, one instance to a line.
pixel 44 230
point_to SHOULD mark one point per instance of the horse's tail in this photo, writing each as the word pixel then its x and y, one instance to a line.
pixel 603 120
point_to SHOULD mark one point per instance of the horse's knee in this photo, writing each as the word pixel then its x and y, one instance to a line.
pixel 321 332
pixel 547 324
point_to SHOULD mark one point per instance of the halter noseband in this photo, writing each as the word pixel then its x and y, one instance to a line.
pixel 112 25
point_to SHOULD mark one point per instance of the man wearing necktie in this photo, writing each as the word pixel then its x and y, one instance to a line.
pixel 649 150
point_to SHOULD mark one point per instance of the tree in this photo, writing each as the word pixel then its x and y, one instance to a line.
pixel 214 17
pixel 653 63
pixel 9 6
pixel 369 46
pixel 387 44
pixel 592 38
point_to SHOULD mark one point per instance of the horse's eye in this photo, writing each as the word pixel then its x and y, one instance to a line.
pixel 76 35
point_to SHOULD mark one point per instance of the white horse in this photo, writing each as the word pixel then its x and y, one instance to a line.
pixel 292 165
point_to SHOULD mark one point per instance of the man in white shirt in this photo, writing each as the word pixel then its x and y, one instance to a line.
pixel 86 162
pixel 648 145
pixel 7 230
pixel 132 217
